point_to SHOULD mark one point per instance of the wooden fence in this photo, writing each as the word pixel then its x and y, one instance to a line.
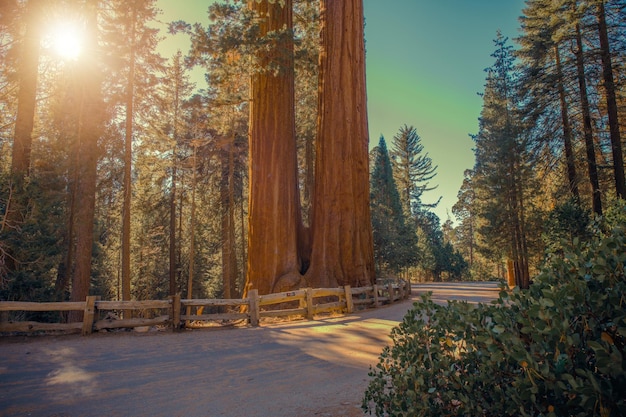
pixel 174 312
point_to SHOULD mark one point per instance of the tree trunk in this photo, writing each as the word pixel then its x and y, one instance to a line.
pixel 22 139
pixel 128 155
pixel 227 191
pixel 567 130
pixel 172 243
pixel 342 243
pixel 274 203
pixel 611 103
pixel 89 131
pixel 192 227
pixel 587 128
pixel 26 99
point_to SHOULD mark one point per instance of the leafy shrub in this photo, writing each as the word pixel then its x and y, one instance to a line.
pixel 556 349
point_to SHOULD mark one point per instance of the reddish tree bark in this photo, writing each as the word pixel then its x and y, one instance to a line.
pixel 274 204
pixel 89 130
pixel 29 62
pixel 341 232
pixel 128 157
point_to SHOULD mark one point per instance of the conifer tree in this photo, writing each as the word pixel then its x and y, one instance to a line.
pixel 132 42
pixel 394 241
pixel 611 100
pixel 500 164
pixel 28 47
pixel 90 129
pixel 413 170
pixel 545 81
pixel 175 89
pixel 592 164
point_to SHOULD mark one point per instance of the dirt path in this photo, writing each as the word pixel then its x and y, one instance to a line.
pixel 297 369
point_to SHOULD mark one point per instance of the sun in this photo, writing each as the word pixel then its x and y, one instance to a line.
pixel 65 39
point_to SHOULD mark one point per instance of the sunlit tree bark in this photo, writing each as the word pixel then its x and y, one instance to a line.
pixel 28 69
pixel 274 207
pixel 342 248
pixel 128 156
pixel 22 138
pixel 91 111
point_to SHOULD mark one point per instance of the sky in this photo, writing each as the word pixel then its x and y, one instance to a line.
pixel 425 67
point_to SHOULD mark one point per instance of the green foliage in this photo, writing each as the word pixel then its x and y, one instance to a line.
pixel 436 256
pixel 565 223
pixel 412 169
pixel 394 241
pixel 556 349
pixel 34 243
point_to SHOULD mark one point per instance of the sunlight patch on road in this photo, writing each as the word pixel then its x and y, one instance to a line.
pixel 351 343
pixel 69 377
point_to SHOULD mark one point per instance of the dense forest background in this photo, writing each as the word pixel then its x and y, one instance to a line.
pixel 112 162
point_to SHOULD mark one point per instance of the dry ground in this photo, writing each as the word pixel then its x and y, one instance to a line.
pixel 295 369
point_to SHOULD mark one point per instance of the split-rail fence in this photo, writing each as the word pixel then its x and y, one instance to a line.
pixel 176 312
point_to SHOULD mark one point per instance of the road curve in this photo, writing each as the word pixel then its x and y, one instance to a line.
pixel 295 369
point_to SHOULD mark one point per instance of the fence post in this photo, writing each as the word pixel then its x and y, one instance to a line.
pixel 349 303
pixel 376 296
pixel 175 299
pixel 253 307
pixel 89 314
pixel 391 292
pixel 309 303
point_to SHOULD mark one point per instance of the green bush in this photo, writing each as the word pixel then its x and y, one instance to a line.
pixel 556 349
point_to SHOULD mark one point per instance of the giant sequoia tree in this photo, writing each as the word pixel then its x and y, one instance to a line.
pixel 274 203
pixel 342 248
pixel 341 236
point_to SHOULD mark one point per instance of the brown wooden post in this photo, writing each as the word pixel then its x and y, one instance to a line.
pixel 253 307
pixel 175 299
pixel 309 303
pixel 376 302
pixel 349 303
pixel 89 314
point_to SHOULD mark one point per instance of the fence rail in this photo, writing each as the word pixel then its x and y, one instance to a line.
pixel 305 303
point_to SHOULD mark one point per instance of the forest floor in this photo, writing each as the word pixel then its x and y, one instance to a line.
pixel 289 369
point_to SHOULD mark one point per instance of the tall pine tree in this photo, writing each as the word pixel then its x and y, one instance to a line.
pixel 500 161
pixel 394 241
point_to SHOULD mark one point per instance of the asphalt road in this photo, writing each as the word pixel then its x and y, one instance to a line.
pixel 295 369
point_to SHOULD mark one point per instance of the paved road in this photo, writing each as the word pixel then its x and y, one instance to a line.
pixel 297 369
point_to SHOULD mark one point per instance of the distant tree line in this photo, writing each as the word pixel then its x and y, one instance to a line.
pixel 408 238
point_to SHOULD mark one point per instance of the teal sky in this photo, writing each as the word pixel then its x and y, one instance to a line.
pixel 425 66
